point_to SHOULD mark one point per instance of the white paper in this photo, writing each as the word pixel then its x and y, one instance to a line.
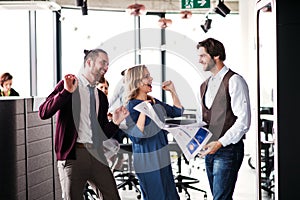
pixel 111 147
pixel 190 138
pixel 146 108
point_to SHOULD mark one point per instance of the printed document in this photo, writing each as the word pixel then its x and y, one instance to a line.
pixel 190 138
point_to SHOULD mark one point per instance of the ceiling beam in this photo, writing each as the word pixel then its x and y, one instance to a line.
pixel 151 5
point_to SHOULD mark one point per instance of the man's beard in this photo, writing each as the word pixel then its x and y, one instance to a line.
pixel 210 65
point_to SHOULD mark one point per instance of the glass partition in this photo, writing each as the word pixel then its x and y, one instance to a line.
pixel 266 52
pixel 15 48
pixel 45 52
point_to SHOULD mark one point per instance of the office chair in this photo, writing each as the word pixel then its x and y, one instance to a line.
pixel 267 157
pixel 266 151
pixel 111 149
pixel 89 193
pixel 183 183
pixel 127 177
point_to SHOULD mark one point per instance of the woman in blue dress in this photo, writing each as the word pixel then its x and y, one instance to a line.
pixel 151 157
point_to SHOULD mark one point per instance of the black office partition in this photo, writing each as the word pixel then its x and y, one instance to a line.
pixel 285 94
pixel 27 161
pixel 288 97
pixel 8 157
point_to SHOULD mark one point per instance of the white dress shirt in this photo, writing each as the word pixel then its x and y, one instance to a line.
pixel 85 129
pixel 240 104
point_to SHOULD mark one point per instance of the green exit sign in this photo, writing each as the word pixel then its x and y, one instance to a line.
pixel 191 4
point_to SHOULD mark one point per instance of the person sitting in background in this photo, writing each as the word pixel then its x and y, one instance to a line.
pixel 115 101
pixel 6 82
pixel 116 160
pixel 103 85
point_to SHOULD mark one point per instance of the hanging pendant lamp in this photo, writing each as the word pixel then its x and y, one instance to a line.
pixel 136 9
pixel 186 14
pixel 164 23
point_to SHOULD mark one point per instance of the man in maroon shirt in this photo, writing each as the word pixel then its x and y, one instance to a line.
pixel 78 146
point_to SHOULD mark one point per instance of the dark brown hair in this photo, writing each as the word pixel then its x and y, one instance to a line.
pixel 103 80
pixel 5 77
pixel 92 53
pixel 213 47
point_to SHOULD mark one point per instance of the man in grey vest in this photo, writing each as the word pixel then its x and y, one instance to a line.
pixel 225 107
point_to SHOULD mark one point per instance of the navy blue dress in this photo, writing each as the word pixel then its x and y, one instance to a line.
pixel 151 157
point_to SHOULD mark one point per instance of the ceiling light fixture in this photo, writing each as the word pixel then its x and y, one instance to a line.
pixel 164 23
pixel 207 25
pixel 136 9
pixel 83 5
pixel 84 8
pixel 222 9
pixel 186 14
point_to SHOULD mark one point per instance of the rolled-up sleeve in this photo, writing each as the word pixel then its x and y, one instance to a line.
pixel 240 104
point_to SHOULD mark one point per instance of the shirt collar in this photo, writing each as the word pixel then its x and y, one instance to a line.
pixel 221 73
pixel 84 81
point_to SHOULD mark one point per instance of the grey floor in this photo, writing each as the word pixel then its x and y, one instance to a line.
pixel 245 187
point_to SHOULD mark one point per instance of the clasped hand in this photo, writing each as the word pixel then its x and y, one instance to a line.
pixel 211 148
pixel 70 83
pixel 168 86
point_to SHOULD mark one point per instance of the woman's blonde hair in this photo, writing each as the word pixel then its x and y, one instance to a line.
pixel 133 79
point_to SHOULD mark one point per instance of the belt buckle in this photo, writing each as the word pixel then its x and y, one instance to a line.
pixel 88 146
